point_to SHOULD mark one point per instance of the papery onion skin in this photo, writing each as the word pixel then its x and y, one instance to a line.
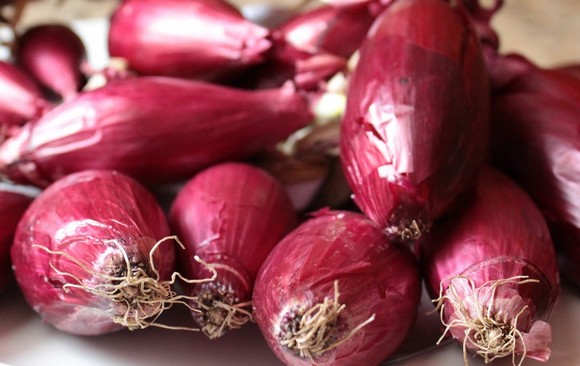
pixel 202 39
pixel 21 99
pixel 536 141
pixel 231 215
pixel 53 54
pixel 499 234
pixel 13 202
pixel 373 277
pixel 416 125
pixel 156 129
pixel 90 216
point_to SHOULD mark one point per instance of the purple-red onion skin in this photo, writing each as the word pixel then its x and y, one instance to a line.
pixel 53 54
pixel 21 99
pixel 536 141
pixel 202 39
pixel 13 203
pixel 156 129
pixel 374 276
pixel 81 215
pixel 499 233
pixel 416 124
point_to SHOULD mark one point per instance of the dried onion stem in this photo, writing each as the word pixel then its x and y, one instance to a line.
pixel 138 296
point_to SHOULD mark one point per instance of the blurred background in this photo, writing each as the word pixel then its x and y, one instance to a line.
pixel 547 32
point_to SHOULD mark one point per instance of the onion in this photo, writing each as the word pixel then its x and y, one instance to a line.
pixel 156 129
pixel 536 141
pixel 336 292
pixel 415 129
pixel 14 200
pixel 20 97
pixel 492 268
pixel 53 54
pixel 204 39
pixel 90 255
pixel 231 215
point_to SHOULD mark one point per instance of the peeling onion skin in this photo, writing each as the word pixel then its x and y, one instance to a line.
pixel 13 203
pixel 53 54
pixel 86 215
pixel 498 235
pixel 201 39
pixel 21 99
pixel 231 215
pixel 373 277
pixel 155 129
pixel 416 124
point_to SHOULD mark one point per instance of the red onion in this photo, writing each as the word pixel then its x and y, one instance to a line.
pixel 536 141
pixel 90 255
pixel 571 69
pixel 336 292
pixel 14 200
pixel 53 55
pixel 230 215
pixel 157 129
pixel 415 129
pixel 492 266
pixel 20 97
pixel 205 39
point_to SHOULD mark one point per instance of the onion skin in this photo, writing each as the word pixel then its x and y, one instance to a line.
pixel 156 129
pixel 13 203
pixel 53 54
pixel 496 239
pixel 373 276
pixel 89 216
pixel 416 124
pixel 231 215
pixel 21 99
pixel 536 141
pixel 202 39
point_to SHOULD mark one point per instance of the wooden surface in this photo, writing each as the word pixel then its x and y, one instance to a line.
pixel 546 31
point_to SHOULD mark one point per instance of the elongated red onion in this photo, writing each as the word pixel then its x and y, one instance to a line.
pixel 14 200
pixel 204 39
pixel 571 69
pixel 336 292
pixel 231 215
pixel 415 129
pixel 157 129
pixel 491 267
pixel 536 141
pixel 90 257
pixel 20 97
pixel 53 54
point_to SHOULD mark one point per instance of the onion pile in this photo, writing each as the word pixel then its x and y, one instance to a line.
pixel 307 174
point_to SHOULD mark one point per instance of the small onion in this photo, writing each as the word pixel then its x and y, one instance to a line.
pixel 336 292
pixel 156 129
pixel 416 124
pixel 53 54
pixel 203 39
pixel 492 269
pixel 231 215
pixel 89 254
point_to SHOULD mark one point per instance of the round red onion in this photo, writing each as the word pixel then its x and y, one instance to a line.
pixel 230 215
pixel 336 292
pixel 53 55
pixel 156 129
pixel 415 129
pixel 204 39
pixel 491 267
pixel 89 254
pixel 14 200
